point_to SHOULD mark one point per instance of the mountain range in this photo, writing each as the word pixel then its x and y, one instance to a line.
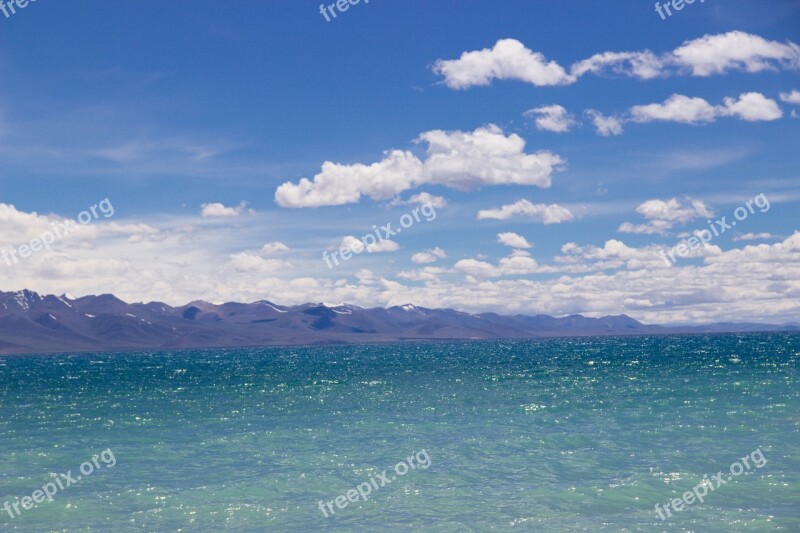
pixel 32 323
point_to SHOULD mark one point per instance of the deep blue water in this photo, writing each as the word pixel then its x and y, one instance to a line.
pixel 546 435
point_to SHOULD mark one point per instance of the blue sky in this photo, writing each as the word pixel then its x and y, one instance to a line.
pixel 164 108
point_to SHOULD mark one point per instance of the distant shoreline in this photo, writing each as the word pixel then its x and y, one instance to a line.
pixel 124 350
pixel 32 323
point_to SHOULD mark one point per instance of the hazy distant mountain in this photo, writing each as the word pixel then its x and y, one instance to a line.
pixel 31 323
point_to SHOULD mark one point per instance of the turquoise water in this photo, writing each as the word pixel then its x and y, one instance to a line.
pixel 547 435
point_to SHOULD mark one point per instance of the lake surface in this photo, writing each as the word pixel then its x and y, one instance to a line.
pixel 547 435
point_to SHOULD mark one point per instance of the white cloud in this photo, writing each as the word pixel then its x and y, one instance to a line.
pixel 704 56
pixel 791 97
pixel 438 202
pixel 519 263
pixel 673 211
pixel 357 246
pixel 605 126
pixel 476 268
pixel 752 107
pixel 352 243
pixel 662 215
pixel 428 256
pixel 754 236
pixel 513 240
pixel 615 255
pixel 218 210
pixel 683 109
pixel 463 160
pixel 385 245
pixel 185 264
pixel 676 108
pixel 427 274
pixel 657 226
pixel 86 269
pixel 644 65
pixel 339 184
pixel 17 227
pixel 272 248
pixel 612 249
pixel 551 118
pixel 367 277
pixel 735 50
pixel 547 214
pixel 707 55
pixel 455 159
pixel 507 60
pixel 246 262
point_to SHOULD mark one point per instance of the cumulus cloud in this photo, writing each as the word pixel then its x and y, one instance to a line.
pixel 218 210
pixel 509 59
pixel 673 211
pixel 751 107
pixel 428 256
pixel 513 240
pixel 455 159
pixel 551 118
pixel 438 202
pixel 615 254
pixel 357 245
pixel 735 50
pixel 247 262
pixel 486 156
pixel 707 55
pixel 546 214
pixel 791 97
pixel 272 248
pixel 17 227
pixel 612 249
pixel 385 245
pixel 477 268
pixel 663 215
pixel 352 243
pixel 519 263
pixel 339 184
pixel 367 277
pixel 608 278
pixel 676 108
